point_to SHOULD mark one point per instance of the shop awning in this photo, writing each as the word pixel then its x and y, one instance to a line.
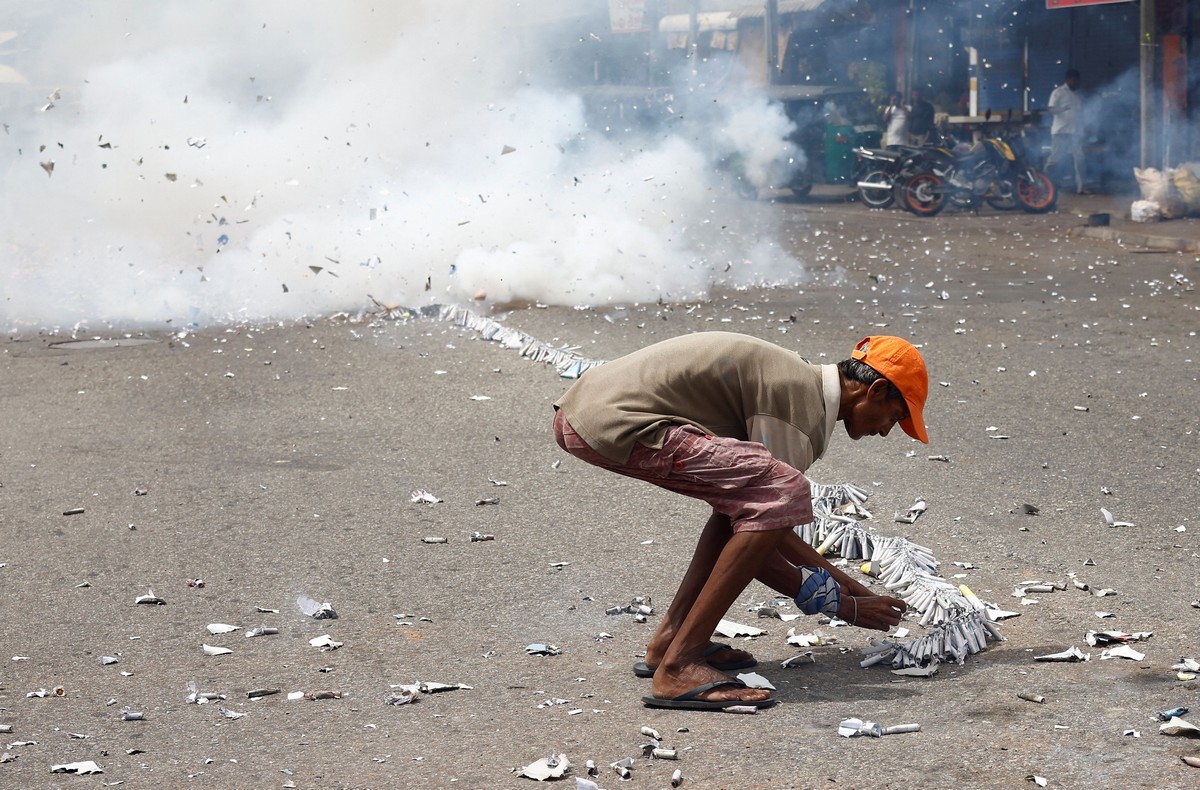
pixel 720 26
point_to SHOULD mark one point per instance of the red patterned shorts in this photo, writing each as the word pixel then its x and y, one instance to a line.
pixel 739 479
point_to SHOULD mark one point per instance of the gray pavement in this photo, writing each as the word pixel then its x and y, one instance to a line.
pixel 277 462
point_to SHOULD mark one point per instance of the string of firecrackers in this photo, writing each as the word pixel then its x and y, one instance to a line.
pixel 837 512
pixel 959 621
pixel 569 364
pixel 955 639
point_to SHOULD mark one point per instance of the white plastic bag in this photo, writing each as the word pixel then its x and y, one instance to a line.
pixel 1154 183
pixel 1145 211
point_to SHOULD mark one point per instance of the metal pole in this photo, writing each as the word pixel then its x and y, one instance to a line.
pixel 973 80
pixel 1147 81
pixel 910 68
pixel 693 28
pixel 771 34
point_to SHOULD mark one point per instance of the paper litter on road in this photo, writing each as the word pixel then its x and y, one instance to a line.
pixel 552 767
pixel 1112 522
pixel 222 628
pixel 851 728
pixel 754 680
pixel 325 642
pixel 80 768
pixel 1177 726
pixel 731 630
pixel 315 609
pixel 1072 653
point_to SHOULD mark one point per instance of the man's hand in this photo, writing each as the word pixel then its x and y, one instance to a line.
pixel 877 612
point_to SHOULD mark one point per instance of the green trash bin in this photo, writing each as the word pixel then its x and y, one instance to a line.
pixel 839 156
pixel 840 142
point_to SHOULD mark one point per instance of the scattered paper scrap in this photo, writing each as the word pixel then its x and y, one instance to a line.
pixel 316 610
pixel 222 628
pixel 754 680
pixel 851 728
pixel 538 649
pixel 1177 726
pixel 149 598
pixel 732 630
pixel 1112 522
pixel 401 697
pixel 1072 653
pixel 917 672
pixel 918 507
pixel 803 640
pixel 1095 638
pixel 325 642
pixel 80 768
pixel 552 767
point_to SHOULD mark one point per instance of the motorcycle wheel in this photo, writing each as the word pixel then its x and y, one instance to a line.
pixel 1037 196
pixel 876 198
pixel 1006 198
pixel 923 195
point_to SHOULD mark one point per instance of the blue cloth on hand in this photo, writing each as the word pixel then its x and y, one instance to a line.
pixel 819 592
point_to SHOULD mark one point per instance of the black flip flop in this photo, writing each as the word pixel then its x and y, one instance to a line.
pixel 643 670
pixel 687 700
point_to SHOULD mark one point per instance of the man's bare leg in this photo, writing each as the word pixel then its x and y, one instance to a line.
pixel 713 537
pixel 684 667
pixel 776 573
pixel 779 571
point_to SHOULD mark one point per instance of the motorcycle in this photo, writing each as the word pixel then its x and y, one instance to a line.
pixel 875 173
pixel 994 169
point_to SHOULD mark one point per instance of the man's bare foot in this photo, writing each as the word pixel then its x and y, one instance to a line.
pixel 670 684
pixel 717 654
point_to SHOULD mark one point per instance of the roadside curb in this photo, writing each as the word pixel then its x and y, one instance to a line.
pixel 1134 238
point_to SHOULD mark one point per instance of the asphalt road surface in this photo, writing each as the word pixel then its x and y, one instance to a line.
pixel 279 462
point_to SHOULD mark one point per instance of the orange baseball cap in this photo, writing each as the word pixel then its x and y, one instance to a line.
pixel 898 361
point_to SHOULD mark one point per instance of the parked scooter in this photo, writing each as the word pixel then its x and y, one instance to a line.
pixel 994 169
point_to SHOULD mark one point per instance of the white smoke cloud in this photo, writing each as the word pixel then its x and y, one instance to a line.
pixel 234 161
pixel 759 131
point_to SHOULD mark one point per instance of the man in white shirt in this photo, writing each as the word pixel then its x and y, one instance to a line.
pixel 1066 130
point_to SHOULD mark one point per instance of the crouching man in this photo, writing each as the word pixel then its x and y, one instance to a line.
pixel 735 421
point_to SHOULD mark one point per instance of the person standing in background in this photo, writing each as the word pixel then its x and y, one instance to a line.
pixel 920 117
pixel 895 119
pixel 1066 130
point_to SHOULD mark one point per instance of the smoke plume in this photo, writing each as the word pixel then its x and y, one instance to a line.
pixel 226 161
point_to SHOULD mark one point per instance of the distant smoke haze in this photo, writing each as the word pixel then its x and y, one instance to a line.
pixel 229 161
